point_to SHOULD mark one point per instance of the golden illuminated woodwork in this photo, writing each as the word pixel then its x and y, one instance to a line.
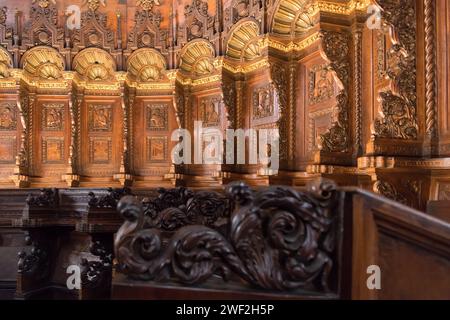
pixel 243 43
pixel 197 58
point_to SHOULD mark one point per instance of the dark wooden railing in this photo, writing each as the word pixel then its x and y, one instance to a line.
pixel 322 243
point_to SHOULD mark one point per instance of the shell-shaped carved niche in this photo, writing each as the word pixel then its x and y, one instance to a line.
pixel 43 63
pixel 197 58
pixel 146 65
pixel 94 64
pixel 243 43
pixel 293 17
pixel 5 64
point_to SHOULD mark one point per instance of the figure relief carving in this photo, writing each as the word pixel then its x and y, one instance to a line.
pixel 336 46
pixel 209 111
pixel 8 116
pixel 321 84
pixel 100 118
pixel 156 149
pixel 52 117
pixel 263 102
pixel 157 117
pixel 399 104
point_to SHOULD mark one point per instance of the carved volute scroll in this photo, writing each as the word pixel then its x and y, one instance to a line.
pixel 273 239
pixel 336 47
pixel 399 104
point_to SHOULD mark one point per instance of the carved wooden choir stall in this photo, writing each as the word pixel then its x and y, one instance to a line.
pixel 93 94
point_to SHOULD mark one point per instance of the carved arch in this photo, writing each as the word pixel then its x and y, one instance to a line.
pixel 94 64
pixel 196 57
pixel 146 64
pixel 43 62
pixel 292 17
pixel 243 41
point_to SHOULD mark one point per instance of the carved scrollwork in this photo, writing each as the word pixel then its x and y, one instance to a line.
pixel 275 239
pixel 178 207
pixel 399 104
pixel 46 198
pixel 336 46
pixel 108 200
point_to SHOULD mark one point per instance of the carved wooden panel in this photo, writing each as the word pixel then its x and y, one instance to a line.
pixel 153 121
pixel 53 117
pixel 8 116
pixel 100 117
pixel 209 111
pixel 53 150
pixel 321 84
pixel 156 148
pixel 157 117
pixel 101 143
pixel 7 149
pixel 319 122
pixel 100 150
pixel 263 102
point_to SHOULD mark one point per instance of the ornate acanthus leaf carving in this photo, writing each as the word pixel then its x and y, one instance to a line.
pixel 336 47
pixel 178 207
pixel 48 198
pixel 275 239
pixel 108 200
pixel 399 104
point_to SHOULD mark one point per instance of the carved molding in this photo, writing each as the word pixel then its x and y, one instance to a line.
pixel 430 68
